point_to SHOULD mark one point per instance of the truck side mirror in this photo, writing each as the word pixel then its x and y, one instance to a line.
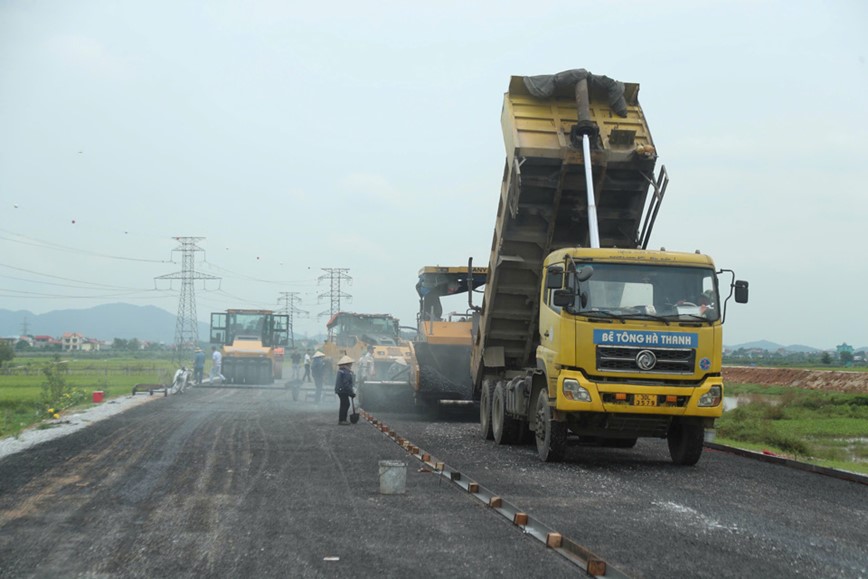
pixel 563 298
pixel 555 278
pixel 740 292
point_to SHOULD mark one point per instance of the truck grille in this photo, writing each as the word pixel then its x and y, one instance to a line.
pixel 623 359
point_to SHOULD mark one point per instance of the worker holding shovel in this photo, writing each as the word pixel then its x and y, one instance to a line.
pixel 344 387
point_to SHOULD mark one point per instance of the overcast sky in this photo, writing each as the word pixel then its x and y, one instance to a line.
pixel 297 136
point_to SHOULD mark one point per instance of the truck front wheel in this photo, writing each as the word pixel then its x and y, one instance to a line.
pixel 685 442
pixel 551 435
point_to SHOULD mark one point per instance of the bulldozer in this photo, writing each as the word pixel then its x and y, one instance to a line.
pixel 252 343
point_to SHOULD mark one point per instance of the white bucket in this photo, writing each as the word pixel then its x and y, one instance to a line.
pixel 393 477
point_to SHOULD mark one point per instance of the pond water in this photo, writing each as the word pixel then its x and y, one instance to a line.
pixel 731 402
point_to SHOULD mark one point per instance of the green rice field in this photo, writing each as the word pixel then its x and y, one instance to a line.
pixel 23 385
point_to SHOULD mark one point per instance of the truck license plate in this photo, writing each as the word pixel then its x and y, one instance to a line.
pixel 644 400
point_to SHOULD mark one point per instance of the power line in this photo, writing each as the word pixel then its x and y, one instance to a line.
pixel 87 283
pixel 186 323
pixel 33 242
pixel 235 274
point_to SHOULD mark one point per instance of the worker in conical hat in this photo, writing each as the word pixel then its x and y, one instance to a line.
pixel 344 387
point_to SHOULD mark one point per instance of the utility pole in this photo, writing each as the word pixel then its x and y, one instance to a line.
pixel 186 322
pixel 289 299
pixel 335 275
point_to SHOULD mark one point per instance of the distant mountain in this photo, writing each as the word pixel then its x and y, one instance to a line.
pixel 758 345
pixel 799 348
pixel 104 322
pixel 773 347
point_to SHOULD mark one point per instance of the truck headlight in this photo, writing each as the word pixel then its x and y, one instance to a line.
pixel 712 397
pixel 572 391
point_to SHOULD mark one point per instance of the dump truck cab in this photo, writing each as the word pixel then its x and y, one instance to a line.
pixel 631 335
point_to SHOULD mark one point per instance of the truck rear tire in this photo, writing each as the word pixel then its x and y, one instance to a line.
pixel 504 428
pixel 551 435
pixel 485 411
pixel 685 442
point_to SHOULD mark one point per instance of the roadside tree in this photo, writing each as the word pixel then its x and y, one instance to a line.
pixel 6 352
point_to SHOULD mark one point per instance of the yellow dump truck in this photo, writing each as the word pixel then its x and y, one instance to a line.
pixel 252 343
pixel 585 335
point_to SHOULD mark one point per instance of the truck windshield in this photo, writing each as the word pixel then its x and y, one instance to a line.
pixel 649 292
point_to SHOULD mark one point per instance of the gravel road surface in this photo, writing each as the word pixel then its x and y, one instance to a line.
pixel 728 516
pixel 242 483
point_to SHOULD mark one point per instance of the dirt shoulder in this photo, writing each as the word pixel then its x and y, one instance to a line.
pixel 830 380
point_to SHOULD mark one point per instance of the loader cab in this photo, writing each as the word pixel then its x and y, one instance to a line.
pixel 438 285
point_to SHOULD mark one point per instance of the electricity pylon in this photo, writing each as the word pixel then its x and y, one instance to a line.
pixel 186 322
pixel 335 275
pixel 289 299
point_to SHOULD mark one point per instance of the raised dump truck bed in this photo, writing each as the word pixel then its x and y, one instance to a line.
pixel 544 205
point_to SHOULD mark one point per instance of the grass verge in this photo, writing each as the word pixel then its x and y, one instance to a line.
pixel 824 428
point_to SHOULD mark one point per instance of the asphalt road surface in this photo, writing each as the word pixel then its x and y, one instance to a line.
pixel 243 483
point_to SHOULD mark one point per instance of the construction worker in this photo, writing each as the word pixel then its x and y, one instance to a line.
pixel 366 365
pixel 216 366
pixel 198 366
pixel 295 357
pixel 344 387
pixel 306 377
pixel 317 370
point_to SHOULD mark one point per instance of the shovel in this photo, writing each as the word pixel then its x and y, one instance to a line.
pixel 354 417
